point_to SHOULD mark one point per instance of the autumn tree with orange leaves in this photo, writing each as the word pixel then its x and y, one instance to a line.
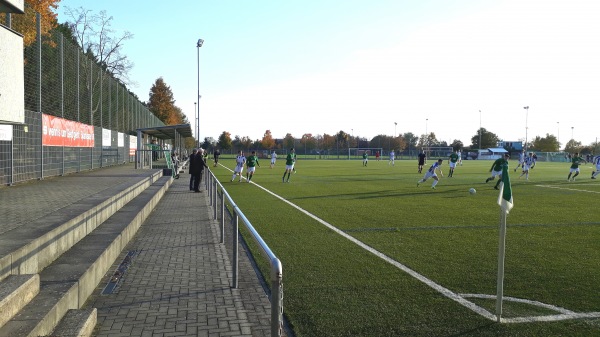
pixel 162 104
pixel 267 141
pixel 26 23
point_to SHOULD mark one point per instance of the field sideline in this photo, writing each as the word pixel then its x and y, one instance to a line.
pixel 334 287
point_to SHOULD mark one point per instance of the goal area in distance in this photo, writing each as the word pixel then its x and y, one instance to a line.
pixel 438 151
pixel 357 152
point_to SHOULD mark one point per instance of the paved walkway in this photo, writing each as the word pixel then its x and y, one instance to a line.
pixel 179 280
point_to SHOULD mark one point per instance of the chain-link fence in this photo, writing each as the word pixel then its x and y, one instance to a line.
pixel 61 80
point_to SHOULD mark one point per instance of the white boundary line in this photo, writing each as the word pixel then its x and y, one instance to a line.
pixel 568 189
pixel 460 298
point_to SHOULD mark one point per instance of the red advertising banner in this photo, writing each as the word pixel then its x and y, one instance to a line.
pixel 57 131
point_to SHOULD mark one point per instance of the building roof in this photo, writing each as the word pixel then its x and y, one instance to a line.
pixel 168 131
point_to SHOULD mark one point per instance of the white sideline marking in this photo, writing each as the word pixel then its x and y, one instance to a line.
pixel 569 189
pixel 460 298
pixel 564 313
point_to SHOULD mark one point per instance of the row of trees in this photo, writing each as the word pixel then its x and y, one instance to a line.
pixel 340 141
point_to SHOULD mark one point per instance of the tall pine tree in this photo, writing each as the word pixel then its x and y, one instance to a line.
pixel 162 104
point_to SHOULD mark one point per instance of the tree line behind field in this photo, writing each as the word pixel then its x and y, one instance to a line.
pixel 341 141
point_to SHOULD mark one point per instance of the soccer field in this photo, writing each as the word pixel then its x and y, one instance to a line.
pixel 366 252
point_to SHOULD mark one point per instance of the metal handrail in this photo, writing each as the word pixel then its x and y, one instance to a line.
pixel 216 189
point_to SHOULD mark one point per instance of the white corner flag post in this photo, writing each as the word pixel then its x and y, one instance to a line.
pixel 505 201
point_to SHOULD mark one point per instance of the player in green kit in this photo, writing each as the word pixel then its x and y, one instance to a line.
pixel 496 169
pixel 365 158
pixel 452 161
pixel 576 160
pixel 251 163
pixel 289 165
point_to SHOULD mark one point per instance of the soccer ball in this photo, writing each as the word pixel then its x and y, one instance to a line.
pixel 472 190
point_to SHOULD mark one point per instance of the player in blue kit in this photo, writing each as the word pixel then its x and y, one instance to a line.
pixel 431 173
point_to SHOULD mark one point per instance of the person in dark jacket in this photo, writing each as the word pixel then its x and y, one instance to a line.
pixel 190 166
pixel 197 169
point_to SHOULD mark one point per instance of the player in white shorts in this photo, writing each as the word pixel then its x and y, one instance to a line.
pixel 392 158
pixel 596 162
pixel 521 160
pixel 432 174
pixel 527 165
pixel 273 158
pixel 240 160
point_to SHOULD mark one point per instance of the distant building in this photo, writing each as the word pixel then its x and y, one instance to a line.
pixel 511 146
pixel 491 153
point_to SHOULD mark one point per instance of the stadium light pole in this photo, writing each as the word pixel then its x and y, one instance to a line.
pixel 426 142
pixel 196 115
pixel 572 132
pixel 480 129
pixel 558 134
pixel 526 128
pixel 198 45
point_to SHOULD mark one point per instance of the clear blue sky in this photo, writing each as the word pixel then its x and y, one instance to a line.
pixel 359 66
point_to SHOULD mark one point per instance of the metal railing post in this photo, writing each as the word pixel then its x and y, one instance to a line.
pixel 222 218
pixel 235 248
pixel 215 191
pixel 276 276
pixel 276 298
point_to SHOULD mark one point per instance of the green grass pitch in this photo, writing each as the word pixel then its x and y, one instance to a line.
pixel 334 287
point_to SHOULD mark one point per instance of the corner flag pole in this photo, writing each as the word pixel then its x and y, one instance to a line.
pixel 501 254
pixel 505 201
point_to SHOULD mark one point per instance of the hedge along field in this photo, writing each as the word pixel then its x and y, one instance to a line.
pixel 333 287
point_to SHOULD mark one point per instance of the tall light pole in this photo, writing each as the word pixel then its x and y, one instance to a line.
pixel 395 124
pixel 480 129
pixel 572 132
pixel 198 45
pixel 353 135
pixel 558 134
pixel 196 115
pixel 426 133
pixel 526 128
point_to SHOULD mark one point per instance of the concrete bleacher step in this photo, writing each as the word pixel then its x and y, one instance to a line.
pixel 77 323
pixel 15 292
pixel 69 280
pixel 30 247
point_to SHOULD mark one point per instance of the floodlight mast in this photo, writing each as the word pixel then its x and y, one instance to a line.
pixel 526 127
pixel 198 45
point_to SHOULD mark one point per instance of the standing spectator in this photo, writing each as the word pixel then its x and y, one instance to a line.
pixel 175 161
pixel 216 156
pixel 421 159
pixel 191 168
pixel 240 160
pixel 251 163
pixel 198 170
pixel 154 147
